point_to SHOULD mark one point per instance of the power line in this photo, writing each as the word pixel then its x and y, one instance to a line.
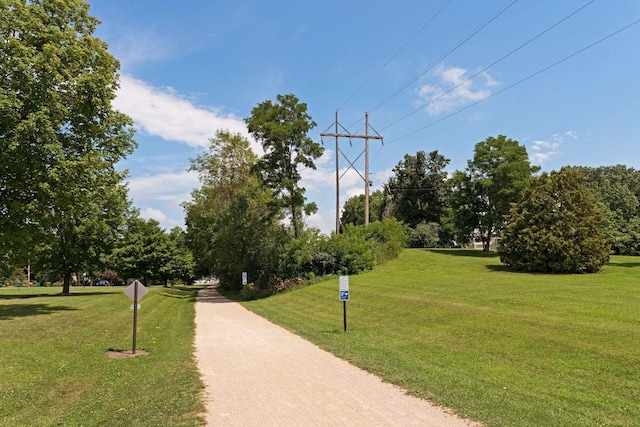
pixel 445 55
pixel 492 64
pixel 519 81
pixel 395 54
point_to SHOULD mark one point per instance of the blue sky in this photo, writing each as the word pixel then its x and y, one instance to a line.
pixel 433 75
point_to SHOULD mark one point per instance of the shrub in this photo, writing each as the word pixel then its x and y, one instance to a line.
pixel 425 235
pixel 556 228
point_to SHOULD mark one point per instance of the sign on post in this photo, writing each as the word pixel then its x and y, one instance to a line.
pixel 344 297
pixel 244 278
pixel 135 291
pixel 344 288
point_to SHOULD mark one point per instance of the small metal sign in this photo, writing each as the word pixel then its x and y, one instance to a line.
pixel 344 288
pixel 135 292
pixel 130 291
pixel 244 278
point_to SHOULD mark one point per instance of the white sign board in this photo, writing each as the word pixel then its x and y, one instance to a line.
pixel 244 278
pixel 344 288
pixel 130 291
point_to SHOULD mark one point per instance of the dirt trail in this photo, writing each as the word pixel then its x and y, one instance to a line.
pixel 259 374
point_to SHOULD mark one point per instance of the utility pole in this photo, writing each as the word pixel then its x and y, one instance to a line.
pixel 367 182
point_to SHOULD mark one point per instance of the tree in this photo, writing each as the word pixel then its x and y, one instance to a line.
pixel 617 189
pixel 282 129
pixel 230 227
pixel 494 179
pixel 353 209
pixel 419 189
pixel 83 215
pixel 60 138
pixel 180 264
pixel 555 228
pixel 224 171
pixel 425 235
pixel 143 251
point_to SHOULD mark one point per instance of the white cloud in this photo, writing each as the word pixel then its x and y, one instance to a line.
pixel 454 89
pixel 151 213
pixel 160 196
pixel 163 113
pixel 546 150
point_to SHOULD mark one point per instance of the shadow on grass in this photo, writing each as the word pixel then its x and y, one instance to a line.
pixel 8 312
pixel 474 253
pixel 501 267
pixel 624 264
pixel 180 292
pixel 17 295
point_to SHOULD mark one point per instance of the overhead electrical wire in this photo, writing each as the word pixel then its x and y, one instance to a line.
pixel 490 65
pixel 395 54
pixel 445 55
pixel 542 70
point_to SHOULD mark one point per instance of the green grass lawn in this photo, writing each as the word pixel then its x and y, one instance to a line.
pixel 505 348
pixel 54 370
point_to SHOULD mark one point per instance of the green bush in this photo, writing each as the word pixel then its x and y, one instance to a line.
pixel 425 235
pixel 556 228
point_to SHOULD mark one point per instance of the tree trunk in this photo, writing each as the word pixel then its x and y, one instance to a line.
pixel 296 222
pixel 486 244
pixel 66 283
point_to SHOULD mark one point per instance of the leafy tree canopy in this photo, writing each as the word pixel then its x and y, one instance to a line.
pixel 59 135
pixel 419 189
pixel 617 189
pixel 282 128
pixel 353 209
pixel 555 228
pixel 494 179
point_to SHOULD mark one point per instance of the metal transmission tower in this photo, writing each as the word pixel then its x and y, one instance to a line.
pixel 367 183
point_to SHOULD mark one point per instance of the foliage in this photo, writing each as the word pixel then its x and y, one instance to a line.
pixel 617 189
pixel 419 190
pixel 353 209
pixel 143 251
pixel 424 235
pixel 61 198
pixel 357 249
pixel 482 195
pixel 282 129
pixel 386 238
pixel 504 348
pixel 230 228
pixel 556 228
pixel 180 264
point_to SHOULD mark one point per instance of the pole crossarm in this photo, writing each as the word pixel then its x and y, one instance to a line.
pixel 346 134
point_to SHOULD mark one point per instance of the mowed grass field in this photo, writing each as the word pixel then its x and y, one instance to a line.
pixel 54 368
pixel 505 348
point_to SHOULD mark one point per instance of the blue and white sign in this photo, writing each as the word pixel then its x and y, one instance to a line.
pixel 344 288
pixel 244 278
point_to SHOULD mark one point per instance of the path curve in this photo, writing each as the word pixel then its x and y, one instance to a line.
pixel 259 374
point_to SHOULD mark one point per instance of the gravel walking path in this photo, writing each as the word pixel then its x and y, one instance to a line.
pixel 259 374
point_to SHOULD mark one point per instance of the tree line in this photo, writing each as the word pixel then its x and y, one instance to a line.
pixel 65 211
pixel 561 221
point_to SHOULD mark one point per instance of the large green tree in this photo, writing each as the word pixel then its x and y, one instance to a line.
pixel 60 138
pixel 181 263
pixel 230 226
pixel 494 179
pixel 419 189
pixel 143 250
pixel 353 209
pixel 282 128
pixel 556 227
pixel 617 189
